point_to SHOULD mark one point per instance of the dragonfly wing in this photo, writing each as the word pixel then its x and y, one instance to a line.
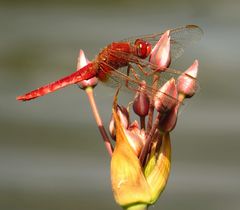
pixel 180 38
pixel 132 79
pixel 131 84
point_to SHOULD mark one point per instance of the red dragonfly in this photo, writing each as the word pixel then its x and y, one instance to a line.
pixel 111 65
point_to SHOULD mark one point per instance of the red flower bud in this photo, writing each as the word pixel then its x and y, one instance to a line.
pixel 186 83
pixel 160 56
pixel 92 82
pixel 166 98
pixel 141 102
pixel 170 120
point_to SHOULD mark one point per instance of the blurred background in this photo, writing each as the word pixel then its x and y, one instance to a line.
pixel 51 153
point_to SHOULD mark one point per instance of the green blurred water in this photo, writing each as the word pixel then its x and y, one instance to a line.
pixel 51 154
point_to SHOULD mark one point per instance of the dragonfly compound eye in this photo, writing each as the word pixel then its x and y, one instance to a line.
pixel 142 48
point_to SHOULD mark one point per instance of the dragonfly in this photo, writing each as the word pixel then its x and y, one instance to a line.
pixel 111 65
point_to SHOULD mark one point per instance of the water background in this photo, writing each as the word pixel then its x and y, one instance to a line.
pixel 51 154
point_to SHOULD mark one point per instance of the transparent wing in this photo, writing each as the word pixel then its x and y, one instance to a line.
pixel 180 38
pixel 132 80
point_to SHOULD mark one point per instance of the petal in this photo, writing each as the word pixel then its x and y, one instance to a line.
pixel 157 178
pixel 128 182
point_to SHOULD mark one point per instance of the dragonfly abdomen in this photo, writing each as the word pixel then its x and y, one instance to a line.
pixel 84 73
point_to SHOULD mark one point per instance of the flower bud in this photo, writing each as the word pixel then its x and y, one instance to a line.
pixel 141 102
pixel 160 56
pixel 128 182
pixel 170 120
pixel 135 187
pixel 83 61
pixel 186 83
pixel 92 82
pixel 166 97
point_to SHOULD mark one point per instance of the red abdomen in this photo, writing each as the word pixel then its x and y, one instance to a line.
pixel 88 71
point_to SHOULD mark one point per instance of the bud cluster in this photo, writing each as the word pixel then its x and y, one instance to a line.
pixel 140 163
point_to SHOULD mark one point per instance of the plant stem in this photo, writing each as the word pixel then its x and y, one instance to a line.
pixel 151 108
pixel 142 121
pixel 108 145
pixel 137 207
pixel 142 157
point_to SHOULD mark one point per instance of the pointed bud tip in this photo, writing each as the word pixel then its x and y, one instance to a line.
pixel 82 60
pixel 167 33
pixel 168 86
pixel 166 97
pixel 123 115
pixel 193 69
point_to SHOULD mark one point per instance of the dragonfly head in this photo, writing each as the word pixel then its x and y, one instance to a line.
pixel 142 48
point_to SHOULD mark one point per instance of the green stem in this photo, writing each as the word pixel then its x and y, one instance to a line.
pixel 137 207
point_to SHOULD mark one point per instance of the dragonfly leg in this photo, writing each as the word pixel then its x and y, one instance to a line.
pixel 130 69
pixel 136 76
pixel 141 68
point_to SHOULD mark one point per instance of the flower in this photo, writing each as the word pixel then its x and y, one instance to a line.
pixel 134 184
pixel 141 159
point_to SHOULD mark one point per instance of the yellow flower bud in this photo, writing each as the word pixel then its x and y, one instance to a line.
pixel 135 187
